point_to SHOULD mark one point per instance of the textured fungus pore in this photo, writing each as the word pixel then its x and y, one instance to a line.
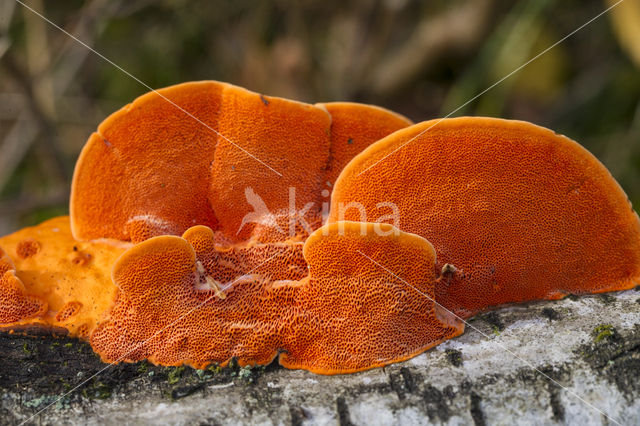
pixel 184 300
pixel 70 279
pixel 15 303
pixel 353 128
pixel 368 300
pixel 159 147
pixel 521 213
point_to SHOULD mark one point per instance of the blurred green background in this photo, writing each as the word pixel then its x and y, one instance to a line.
pixel 422 59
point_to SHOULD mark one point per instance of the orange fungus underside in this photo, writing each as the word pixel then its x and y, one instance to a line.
pixel 55 281
pixel 486 212
pixel 521 212
pixel 345 315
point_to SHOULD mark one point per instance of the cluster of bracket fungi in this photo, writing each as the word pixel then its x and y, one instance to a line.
pixel 174 250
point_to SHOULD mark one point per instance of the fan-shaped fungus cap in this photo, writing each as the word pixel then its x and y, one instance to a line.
pixel 152 149
pixel 353 314
pixel 521 212
pixel 171 311
pixel 218 155
pixel 67 282
pixel 354 127
pixel 290 139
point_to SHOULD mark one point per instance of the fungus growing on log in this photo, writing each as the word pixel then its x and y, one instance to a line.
pixel 63 284
pixel 346 315
pixel 521 212
pixel 515 212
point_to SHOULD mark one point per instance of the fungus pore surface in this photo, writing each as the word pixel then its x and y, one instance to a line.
pixel 354 127
pixel 177 306
pixel 60 283
pixel 15 303
pixel 520 212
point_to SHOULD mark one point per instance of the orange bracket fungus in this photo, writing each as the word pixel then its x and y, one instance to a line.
pixel 149 150
pixel 353 128
pixel 59 283
pixel 204 148
pixel 485 212
pixel 517 211
pixel 345 315
pixel 292 140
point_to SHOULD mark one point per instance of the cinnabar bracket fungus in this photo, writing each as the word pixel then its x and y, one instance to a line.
pixel 521 212
pixel 353 128
pixel 55 282
pixel 346 315
pixel 203 148
pixel 515 212
pixel 149 150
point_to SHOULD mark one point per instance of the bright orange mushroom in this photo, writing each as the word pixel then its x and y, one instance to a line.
pixel 289 142
pixel 515 213
pixel 520 212
pixel 150 150
pixel 213 153
pixel 354 127
pixel 352 314
pixel 60 283
pixel 346 315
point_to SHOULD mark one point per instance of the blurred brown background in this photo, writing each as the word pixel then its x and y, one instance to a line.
pixel 423 59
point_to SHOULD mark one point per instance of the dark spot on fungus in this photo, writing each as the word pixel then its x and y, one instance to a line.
pixel 264 100
pixel 81 258
pixel 448 270
pixel 27 248
pixel 350 141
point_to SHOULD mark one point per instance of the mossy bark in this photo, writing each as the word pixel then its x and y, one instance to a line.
pixel 518 364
